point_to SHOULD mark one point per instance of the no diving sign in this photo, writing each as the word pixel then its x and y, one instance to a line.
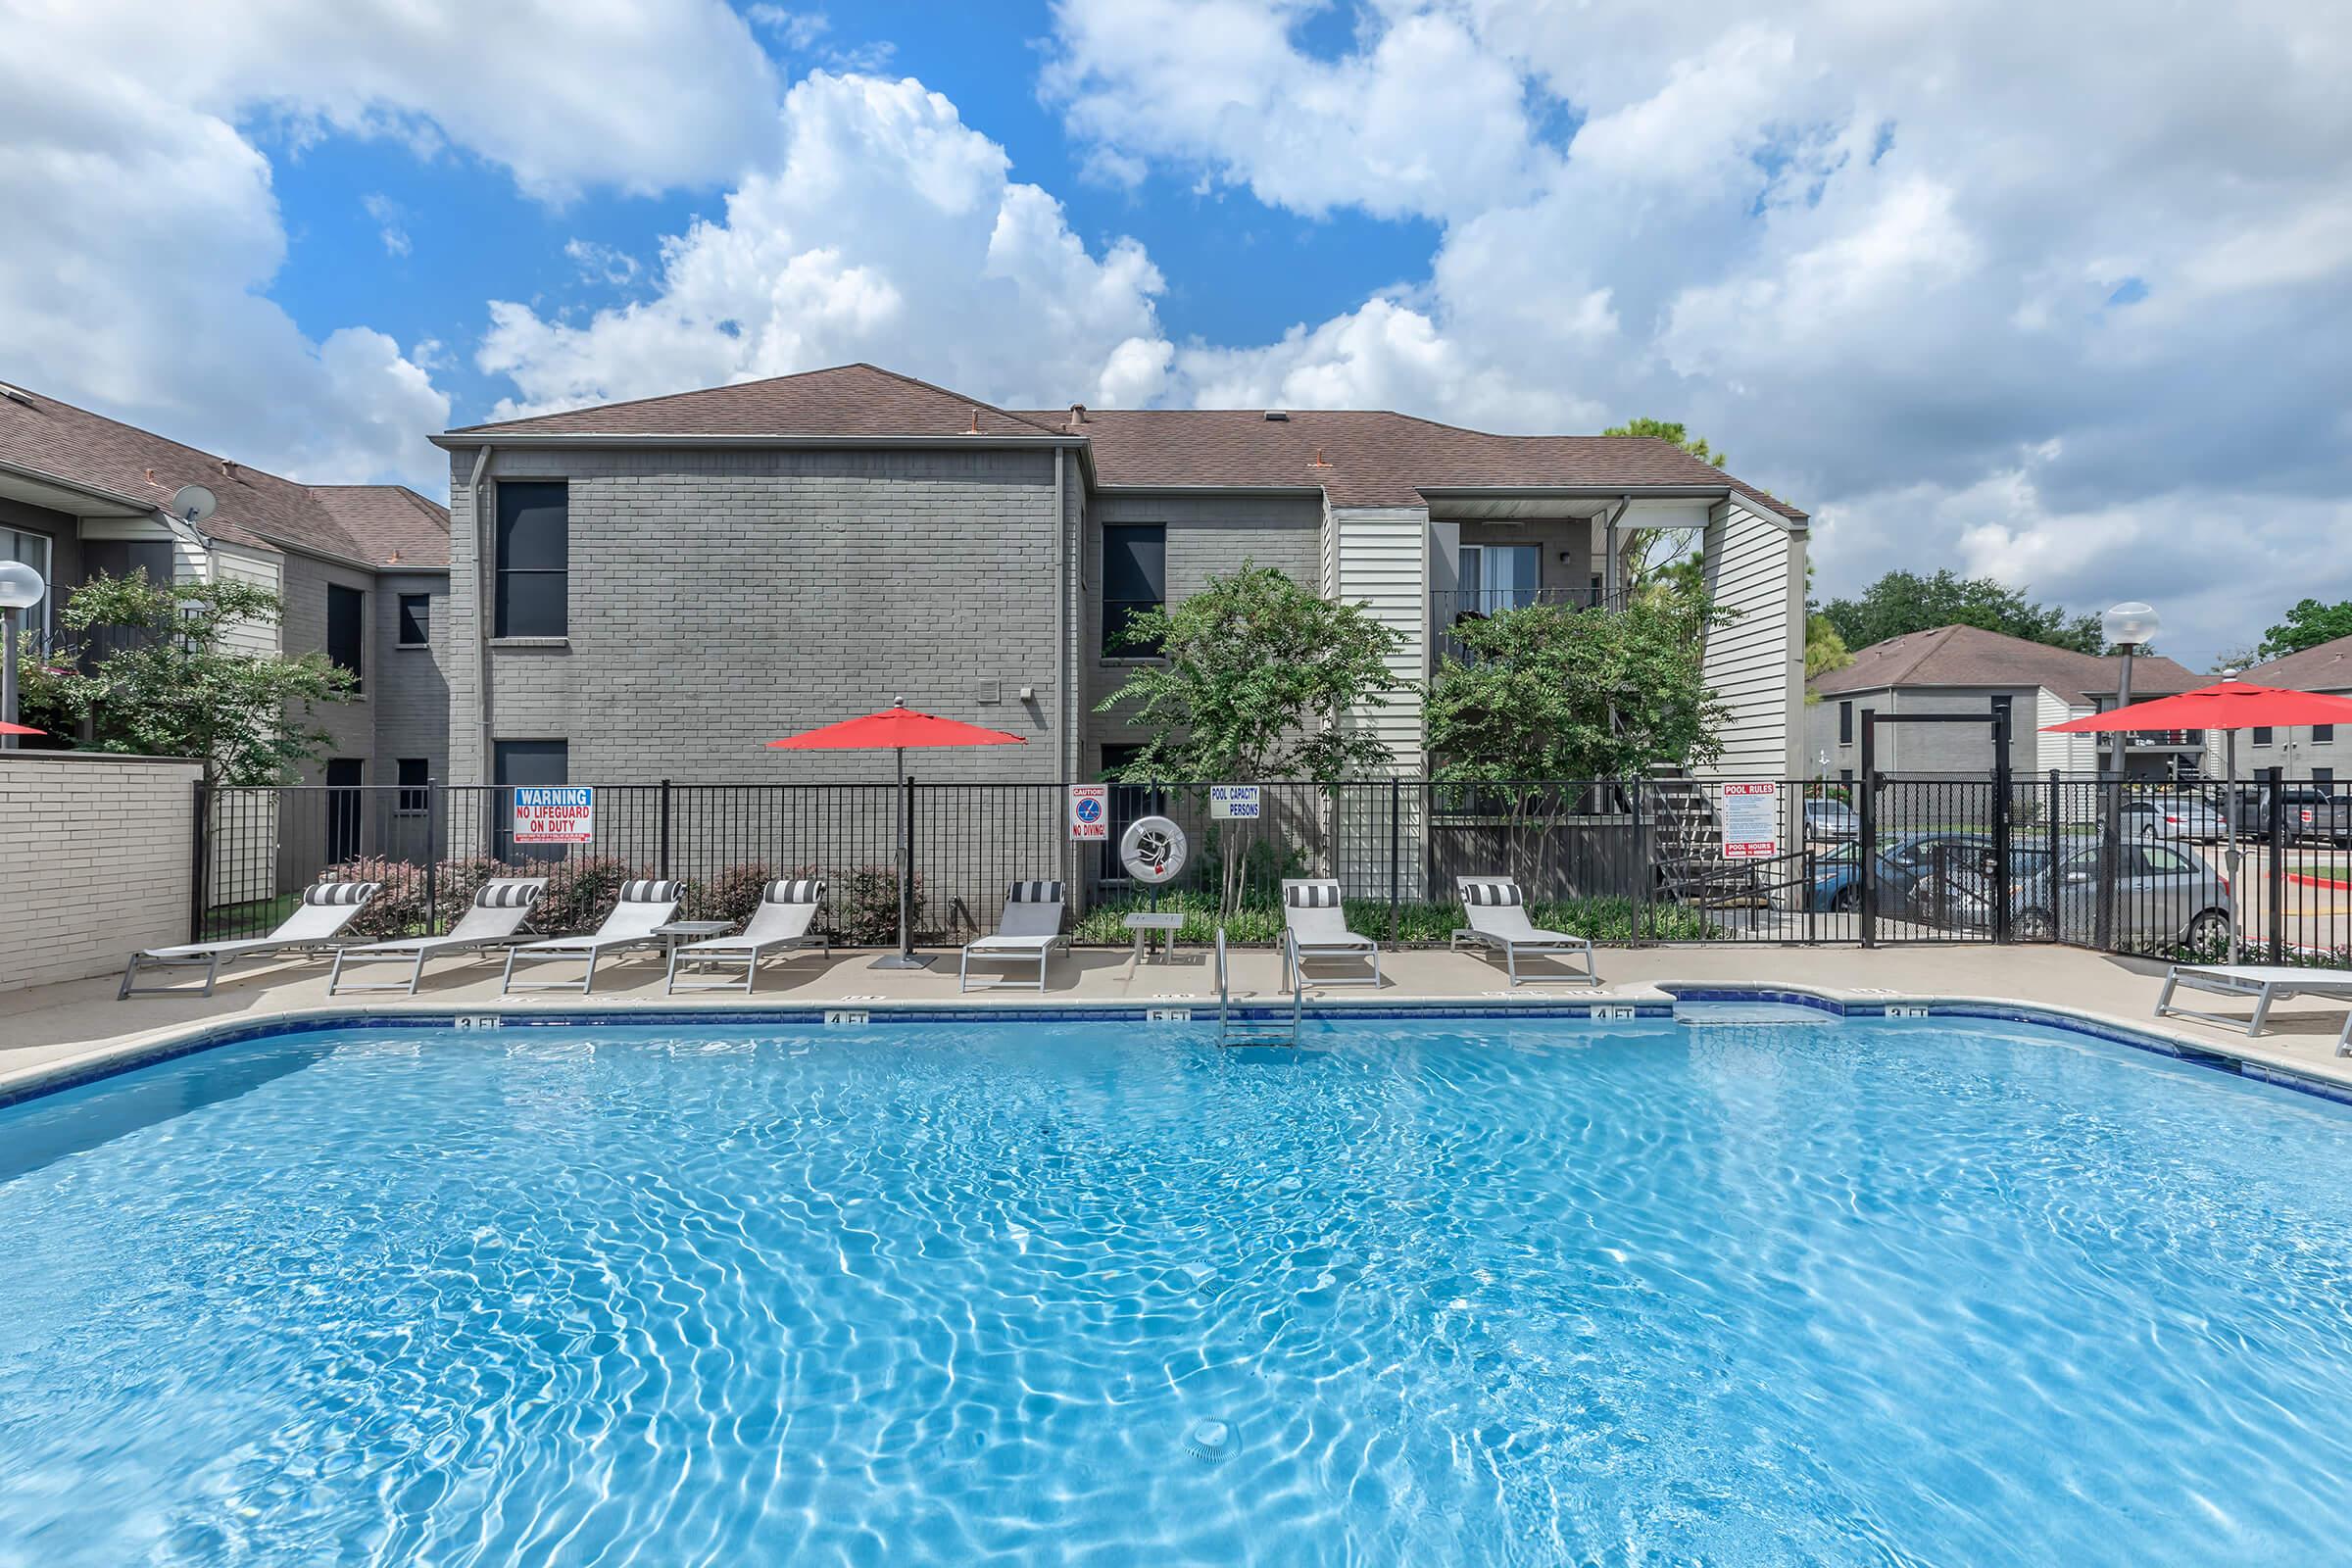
pixel 557 814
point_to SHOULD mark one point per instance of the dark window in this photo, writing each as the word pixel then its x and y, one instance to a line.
pixel 1135 579
pixel 2262 735
pixel 534 558
pixel 1846 724
pixel 344 776
pixel 2323 734
pixel 346 626
pixel 1845 776
pixel 414 771
pixel 415 619
pixel 2324 780
pixel 526 762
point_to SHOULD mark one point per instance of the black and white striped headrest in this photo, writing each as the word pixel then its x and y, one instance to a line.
pixel 649 893
pixel 341 892
pixel 1312 896
pixel 511 894
pixel 1500 894
pixel 1035 893
pixel 796 890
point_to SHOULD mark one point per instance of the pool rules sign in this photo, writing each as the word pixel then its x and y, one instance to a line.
pixel 561 813
pixel 1751 822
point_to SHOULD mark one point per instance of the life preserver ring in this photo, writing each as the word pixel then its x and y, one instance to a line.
pixel 1152 849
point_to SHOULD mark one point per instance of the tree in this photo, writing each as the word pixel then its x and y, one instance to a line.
pixel 1550 694
pixel 1664 560
pixel 1824 651
pixel 1904 602
pixel 2307 625
pixel 1254 680
pixel 166 685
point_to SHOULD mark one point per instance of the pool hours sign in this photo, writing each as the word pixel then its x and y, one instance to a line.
pixel 559 814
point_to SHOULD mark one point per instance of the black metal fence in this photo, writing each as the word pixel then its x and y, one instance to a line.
pixel 1899 859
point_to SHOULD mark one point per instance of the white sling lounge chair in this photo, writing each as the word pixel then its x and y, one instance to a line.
pixel 1499 922
pixel 787 909
pixel 644 906
pixel 326 907
pixel 2266 983
pixel 1030 928
pixel 1317 927
pixel 499 912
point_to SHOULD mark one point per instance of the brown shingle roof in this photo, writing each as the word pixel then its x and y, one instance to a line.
pixel 848 400
pixel 258 509
pixel 1970 655
pixel 1368 457
pixel 2326 667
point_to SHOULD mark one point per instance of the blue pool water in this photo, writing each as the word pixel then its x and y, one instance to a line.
pixel 1520 1292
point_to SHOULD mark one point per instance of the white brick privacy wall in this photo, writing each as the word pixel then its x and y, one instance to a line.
pixel 97 860
pixel 721 598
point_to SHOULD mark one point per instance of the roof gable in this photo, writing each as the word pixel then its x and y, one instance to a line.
pixel 848 400
pixel 1972 656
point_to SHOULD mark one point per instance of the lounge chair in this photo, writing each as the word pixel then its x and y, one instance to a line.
pixel 644 908
pixel 326 907
pixel 2266 983
pixel 1030 928
pixel 499 912
pixel 787 909
pixel 1499 922
pixel 1317 927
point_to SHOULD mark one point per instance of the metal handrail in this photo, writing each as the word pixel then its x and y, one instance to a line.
pixel 1225 1035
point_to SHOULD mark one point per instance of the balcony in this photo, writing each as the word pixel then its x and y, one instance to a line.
pixel 2164 740
pixel 1448 611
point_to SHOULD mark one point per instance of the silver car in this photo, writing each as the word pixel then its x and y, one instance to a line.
pixel 2173 817
pixel 2164 898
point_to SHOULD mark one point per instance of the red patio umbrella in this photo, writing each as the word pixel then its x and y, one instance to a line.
pixel 2229 705
pixel 897 728
pixel 20 729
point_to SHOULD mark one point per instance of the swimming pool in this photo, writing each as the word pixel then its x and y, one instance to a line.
pixel 1427 1291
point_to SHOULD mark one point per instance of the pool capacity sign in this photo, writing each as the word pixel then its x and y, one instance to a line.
pixel 562 814
pixel 1751 822
pixel 1090 812
pixel 1232 800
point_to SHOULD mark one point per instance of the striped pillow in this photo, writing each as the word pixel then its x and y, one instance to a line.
pixel 796 890
pixel 649 893
pixel 341 892
pixel 1496 894
pixel 518 893
pixel 1312 896
pixel 1034 892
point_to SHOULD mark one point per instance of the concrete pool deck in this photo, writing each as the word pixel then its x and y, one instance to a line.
pixel 73 1030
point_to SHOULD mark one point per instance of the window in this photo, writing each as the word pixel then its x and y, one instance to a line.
pixel 414 771
pixel 2262 735
pixel 415 620
pixel 1845 776
pixel 1846 724
pixel 2323 734
pixel 1135 579
pixel 31 549
pixel 519 764
pixel 1128 802
pixel 346 626
pixel 534 560
pixel 2323 779
pixel 1497 577
pixel 344 803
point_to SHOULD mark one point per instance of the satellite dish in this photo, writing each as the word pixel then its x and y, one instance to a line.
pixel 193 503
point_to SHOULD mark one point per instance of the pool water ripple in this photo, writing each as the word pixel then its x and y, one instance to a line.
pixel 1494 1291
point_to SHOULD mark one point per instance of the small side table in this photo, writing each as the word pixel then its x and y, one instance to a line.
pixel 679 932
pixel 1144 922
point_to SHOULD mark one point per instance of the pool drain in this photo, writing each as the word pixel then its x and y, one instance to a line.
pixel 1210 1440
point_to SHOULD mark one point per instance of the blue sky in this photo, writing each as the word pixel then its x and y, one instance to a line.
pixel 2038 292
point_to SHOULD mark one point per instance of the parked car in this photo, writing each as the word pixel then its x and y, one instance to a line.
pixel 1832 820
pixel 1914 872
pixel 2173 817
pixel 2311 812
pixel 2163 896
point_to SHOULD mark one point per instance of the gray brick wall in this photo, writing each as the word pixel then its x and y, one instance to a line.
pixel 719 599
pixel 1207 536
pixel 412 694
pixel 98 859
pixel 349 725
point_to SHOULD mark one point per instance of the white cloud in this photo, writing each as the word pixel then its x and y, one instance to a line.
pixel 884 229
pixel 390 223
pixel 601 264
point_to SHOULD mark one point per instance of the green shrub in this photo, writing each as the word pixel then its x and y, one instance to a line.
pixel 1259 923
pixel 865 905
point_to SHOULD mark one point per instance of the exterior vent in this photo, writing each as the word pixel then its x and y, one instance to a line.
pixel 1278 416
pixel 15 394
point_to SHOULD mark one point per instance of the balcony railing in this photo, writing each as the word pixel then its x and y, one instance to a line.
pixel 1446 611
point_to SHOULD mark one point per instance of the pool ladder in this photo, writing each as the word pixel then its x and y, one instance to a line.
pixel 1231 1034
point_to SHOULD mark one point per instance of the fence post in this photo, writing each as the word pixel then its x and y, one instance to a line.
pixel 662 863
pixel 1866 853
pixel 2275 876
pixel 1395 850
pixel 2050 835
pixel 907 869
pixel 2000 824
pixel 432 855
pixel 1644 866
pixel 202 862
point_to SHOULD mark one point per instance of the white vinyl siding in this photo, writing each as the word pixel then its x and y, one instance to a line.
pixel 1383 565
pixel 1755 662
pixel 232 565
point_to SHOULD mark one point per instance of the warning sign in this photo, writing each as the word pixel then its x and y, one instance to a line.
pixel 559 813
pixel 1751 822
pixel 1090 811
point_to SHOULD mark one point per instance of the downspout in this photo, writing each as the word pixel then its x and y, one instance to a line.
pixel 1066 673
pixel 481 607
pixel 1610 590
